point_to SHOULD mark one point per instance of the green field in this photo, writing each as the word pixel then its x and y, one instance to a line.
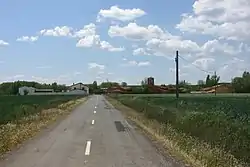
pixel 191 95
pixel 222 121
pixel 15 107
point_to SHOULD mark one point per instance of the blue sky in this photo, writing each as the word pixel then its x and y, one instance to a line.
pixel 80 41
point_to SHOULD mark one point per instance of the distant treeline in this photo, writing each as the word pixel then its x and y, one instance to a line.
pixel 11 88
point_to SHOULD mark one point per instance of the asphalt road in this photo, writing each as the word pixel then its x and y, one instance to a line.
pixel 94 135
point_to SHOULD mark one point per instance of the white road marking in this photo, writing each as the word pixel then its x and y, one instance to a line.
pixel 88 146
pixel 95 107
pixel 93 122
pixel 94 111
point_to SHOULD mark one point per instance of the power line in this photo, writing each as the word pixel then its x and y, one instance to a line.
pixel 209 72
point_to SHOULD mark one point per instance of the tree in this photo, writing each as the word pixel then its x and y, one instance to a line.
pixel 124 84
pixel 94 85
pixel 200 83
pixel 242 84
pixel 212 81
pixel 108 84
pixel 142 83
pixel 54 86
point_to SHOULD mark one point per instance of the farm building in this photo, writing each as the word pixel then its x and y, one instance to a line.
pixel 75 89
pixel 30 90
pixel 79 86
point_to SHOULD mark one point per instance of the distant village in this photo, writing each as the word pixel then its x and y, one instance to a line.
pixel 147 86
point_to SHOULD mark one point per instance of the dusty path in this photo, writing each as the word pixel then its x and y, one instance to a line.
pixel 94 135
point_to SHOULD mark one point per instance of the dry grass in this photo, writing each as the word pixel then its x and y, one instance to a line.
pixel 190 150
pixel 14 133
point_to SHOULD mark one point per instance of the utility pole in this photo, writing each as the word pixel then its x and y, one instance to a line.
pixel 177 74
pixel 215 83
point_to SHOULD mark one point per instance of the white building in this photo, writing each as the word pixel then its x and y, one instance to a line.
pixel 79 86
pixel 25 90
pixel 75 89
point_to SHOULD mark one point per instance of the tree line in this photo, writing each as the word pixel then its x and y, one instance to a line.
pixel 11 88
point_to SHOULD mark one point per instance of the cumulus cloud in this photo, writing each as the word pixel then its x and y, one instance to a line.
pixel 135 32
pixel 87 30
pixel 89 38
pixel 168 47
pixel 137 63
pixel 89 41
pixel 116 13
pixel 43 67
pixel 107 46
pixel 3 43
pixel 96 66
pixel 140 51
pixel 14 77
pixel 203 63
pixel 27 39
pixel 224 19
pixel 58 31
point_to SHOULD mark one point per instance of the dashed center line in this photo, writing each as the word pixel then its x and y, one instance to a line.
pixel 94 111
pixel 95 107
pixel 88 146
pixel 93 122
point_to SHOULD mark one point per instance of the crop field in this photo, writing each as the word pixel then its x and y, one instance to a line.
pixel 192 94
pixel 15 107
pixel 222 121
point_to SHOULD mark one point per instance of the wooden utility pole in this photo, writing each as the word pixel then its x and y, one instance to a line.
pixel 177 74
pixel 215 82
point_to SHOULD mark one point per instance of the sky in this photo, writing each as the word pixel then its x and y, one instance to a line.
pixel 83 41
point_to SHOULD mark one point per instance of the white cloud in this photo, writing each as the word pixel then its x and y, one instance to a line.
pixel 135 63
pixel 43 67
pixel 203 63
pixel 3 43
pixel 120 14
pixel 227 19
pixel 96 66
pixel 87 30
pixel 61 79
pixel 77 73
pixel 89 38
pixel 140 51
pixel 213 46
pixel 14 78
pixel 27 39
pixel 144 63
pixel 233 67
pixel 169 47
pixel 135 32
pixel 57 31
pixel 89 41
pixel 107 46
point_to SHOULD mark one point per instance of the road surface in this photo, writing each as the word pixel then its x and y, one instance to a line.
pixel 94 135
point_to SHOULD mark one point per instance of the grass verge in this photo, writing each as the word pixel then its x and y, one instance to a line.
pixel 191 150
pixel 14 133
